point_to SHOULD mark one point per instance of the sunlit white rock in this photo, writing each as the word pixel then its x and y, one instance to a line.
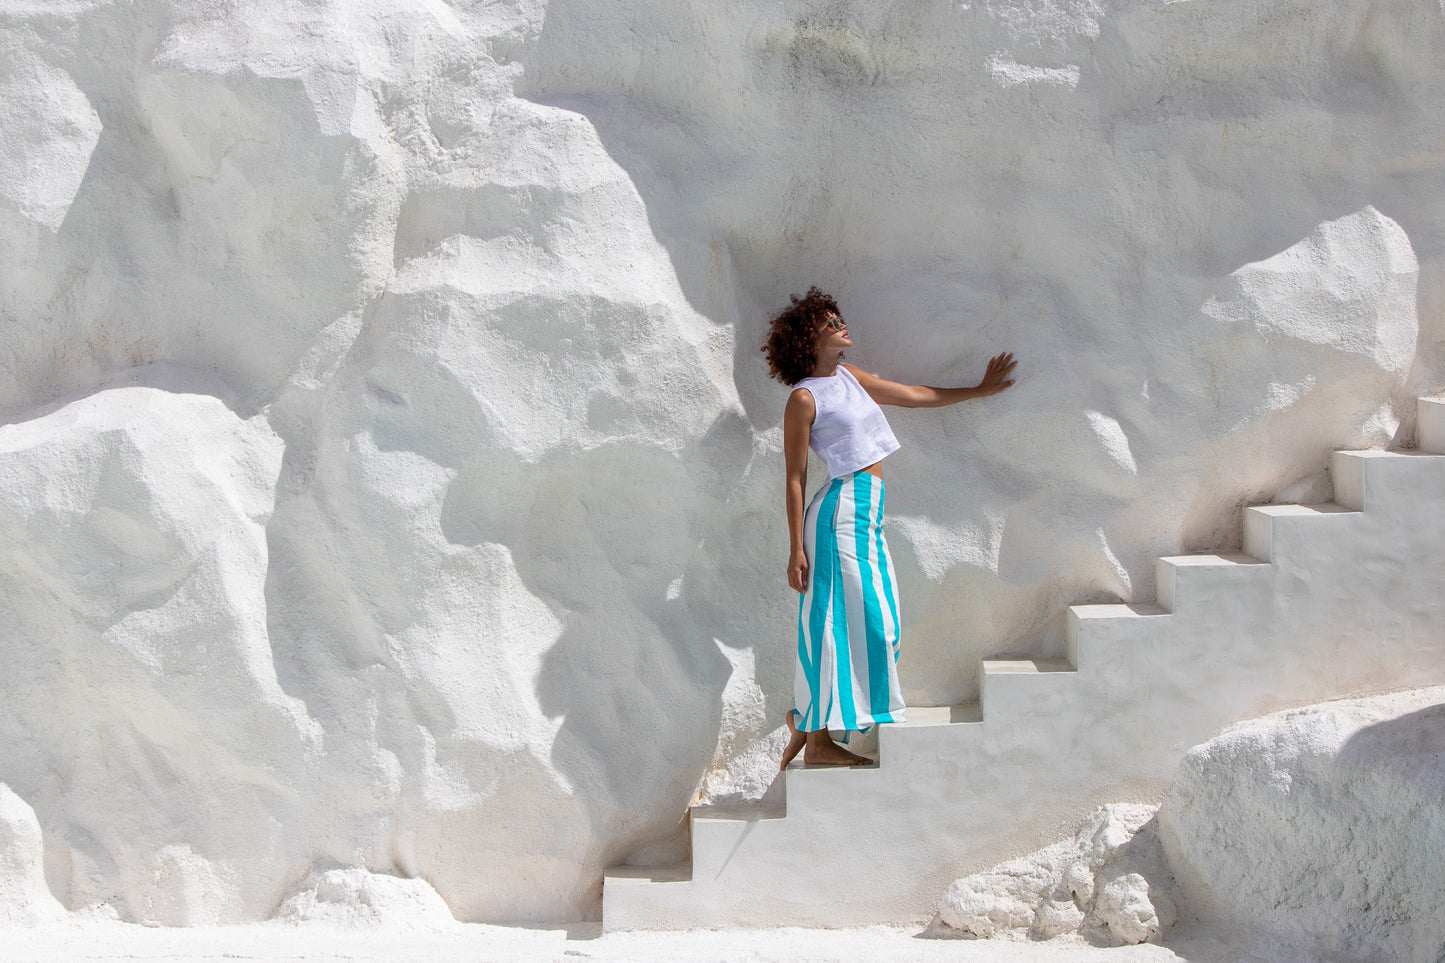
pixel 1324 824
pixel 1109 883
pixel 133 591
pixel 25 898
pixel 355 898
pixel 495 275
pixel 50 130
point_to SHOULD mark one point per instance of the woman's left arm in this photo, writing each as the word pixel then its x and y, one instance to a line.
pixel 885 392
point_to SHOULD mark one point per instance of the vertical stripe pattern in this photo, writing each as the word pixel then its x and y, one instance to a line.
pixel 848 625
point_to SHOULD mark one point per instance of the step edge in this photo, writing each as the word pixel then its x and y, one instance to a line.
pixel 1036 666
pixel 641 875
pixel 1322 510
pixel 1133 610
pixel 1211 560
pixel 737 814
pixel 973 709
pixel 1386 453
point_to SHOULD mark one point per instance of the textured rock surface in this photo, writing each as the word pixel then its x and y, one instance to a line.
pixel 1110 884
pixel 1314 831
pixel 1322 824
pixel 388 475
pixel 25 898
pixel 353 897
pixel 170 766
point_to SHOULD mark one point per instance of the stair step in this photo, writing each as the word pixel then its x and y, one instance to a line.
pixel 922 717
pixel 748 812
pixel 816 790
pixel 1119 711
pixel 1119 610
pixel 1266 525
pixel 1026 666
pixel 718 832
pixel 639 875
pixel 1391 477
pixel 1208 559
pixel 1013 689
pixel 804 767
pixel 1430 425
pixel 649 897
pixel 933 736
pixel 1203 580
pixel 1095 635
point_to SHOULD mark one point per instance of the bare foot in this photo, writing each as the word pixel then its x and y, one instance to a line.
pixel 795 740
pixel 823 751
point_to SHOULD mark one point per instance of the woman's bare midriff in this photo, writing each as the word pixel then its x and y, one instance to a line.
pixel 874 469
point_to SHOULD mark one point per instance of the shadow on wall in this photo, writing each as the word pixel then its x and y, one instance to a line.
pixel 1414 742
pixel 618 543
pixel 600 536
pixel 516 659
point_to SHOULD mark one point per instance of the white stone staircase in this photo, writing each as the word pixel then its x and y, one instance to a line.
pixel 1325 601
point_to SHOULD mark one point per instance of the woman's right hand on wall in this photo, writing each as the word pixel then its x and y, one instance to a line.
pixel 798 570
pixel 999 368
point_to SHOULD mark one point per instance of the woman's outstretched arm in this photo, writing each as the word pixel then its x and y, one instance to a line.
pixel 885 392
pixel 797 427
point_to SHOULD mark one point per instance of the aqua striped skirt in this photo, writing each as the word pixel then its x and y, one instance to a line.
pixel 848 619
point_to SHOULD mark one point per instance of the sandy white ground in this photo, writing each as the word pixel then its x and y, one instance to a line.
pixel 478 942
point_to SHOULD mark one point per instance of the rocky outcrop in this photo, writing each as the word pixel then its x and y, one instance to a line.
pixel 1323 824
pixel 1317 828
pixel 174 772
pixel 388 477
pixel 1109 884
pixel 351 898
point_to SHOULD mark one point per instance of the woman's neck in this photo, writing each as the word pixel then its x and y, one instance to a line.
pixel 826 367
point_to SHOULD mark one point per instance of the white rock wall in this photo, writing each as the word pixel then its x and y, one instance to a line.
pixel 389 474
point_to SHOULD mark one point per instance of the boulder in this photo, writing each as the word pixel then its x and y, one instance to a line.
pixel 1108 884
pixel 1323 824
pixel 354 897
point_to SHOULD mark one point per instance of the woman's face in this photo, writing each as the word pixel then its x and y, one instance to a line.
pixel 834 333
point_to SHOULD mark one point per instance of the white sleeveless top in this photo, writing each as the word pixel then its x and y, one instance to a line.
pixel 849 430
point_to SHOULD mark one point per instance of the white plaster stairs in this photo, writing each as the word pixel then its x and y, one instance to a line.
pixel 1325 601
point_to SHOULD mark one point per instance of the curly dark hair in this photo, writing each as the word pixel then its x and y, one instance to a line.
pixel 792 341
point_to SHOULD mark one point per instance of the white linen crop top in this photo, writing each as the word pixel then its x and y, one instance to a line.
pixel 849 430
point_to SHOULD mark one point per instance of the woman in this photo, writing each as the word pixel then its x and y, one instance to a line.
pixel 847 676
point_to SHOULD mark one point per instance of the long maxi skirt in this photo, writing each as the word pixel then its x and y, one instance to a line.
pixel 847 676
